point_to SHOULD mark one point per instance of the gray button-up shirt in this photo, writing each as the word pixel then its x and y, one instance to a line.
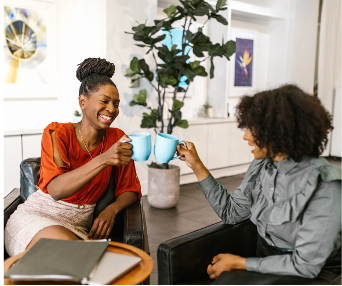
pixel 294 205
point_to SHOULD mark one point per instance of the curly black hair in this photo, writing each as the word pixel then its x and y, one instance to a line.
pixel 94 72
pixel 286 120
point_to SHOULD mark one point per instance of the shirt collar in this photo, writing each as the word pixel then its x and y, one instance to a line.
pixel 285 165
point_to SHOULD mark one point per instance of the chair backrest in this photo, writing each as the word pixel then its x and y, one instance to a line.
pixel 29 176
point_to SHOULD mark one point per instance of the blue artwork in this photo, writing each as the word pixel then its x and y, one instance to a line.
pixel 243 62
pixel 176 40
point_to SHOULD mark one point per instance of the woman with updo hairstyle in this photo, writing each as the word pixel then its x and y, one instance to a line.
pixel 77 161
pixel 292 195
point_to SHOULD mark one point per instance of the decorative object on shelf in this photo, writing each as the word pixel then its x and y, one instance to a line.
pixel 208 110
pixel 171 45
pixel 29 46
pixel 243 66
pixel 134 81
pixel 77 117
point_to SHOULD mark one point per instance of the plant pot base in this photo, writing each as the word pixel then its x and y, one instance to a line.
pixel 163 187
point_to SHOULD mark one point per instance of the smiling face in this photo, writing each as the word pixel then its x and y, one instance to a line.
pixel 102 107
pixel 257 152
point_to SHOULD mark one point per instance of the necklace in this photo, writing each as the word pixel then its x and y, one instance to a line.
pixel 85 145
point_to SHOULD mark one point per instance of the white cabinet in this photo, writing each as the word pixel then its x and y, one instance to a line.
pixel 31 145
pixel 197 134
pixel 218 145
pixel 12 159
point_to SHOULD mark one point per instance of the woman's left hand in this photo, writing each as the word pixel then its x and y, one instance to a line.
pixel 103 224
pixel 225 262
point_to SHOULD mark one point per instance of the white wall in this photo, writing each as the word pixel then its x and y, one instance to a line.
pixel 301 56
pixel 77 38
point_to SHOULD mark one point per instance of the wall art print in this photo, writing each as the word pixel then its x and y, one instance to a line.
pixel 25 46
pixel 30 53
pixel 243 62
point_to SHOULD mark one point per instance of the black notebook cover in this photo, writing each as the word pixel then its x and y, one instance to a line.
pixel 53 259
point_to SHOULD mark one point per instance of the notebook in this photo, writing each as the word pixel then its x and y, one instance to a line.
pixel 68 260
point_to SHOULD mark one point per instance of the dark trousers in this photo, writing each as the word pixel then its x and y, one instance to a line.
pixel 241 277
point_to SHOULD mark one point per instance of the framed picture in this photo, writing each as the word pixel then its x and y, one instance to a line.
pixel 242 73
pixel 29 49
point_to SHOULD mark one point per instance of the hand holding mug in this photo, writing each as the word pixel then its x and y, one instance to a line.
pixel 119 153
pixel 190 157
pixel 189 154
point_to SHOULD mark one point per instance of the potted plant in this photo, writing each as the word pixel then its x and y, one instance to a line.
pixel 207 110
pixel 174 70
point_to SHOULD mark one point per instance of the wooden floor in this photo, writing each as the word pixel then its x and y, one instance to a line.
pixel 191 213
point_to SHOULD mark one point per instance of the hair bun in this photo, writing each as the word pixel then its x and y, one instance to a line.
pixel 94 66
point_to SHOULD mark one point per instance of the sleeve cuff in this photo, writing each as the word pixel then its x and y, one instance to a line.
pixel 207 184
pixel 252 263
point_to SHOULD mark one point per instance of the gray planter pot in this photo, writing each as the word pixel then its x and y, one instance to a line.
pixel 163 187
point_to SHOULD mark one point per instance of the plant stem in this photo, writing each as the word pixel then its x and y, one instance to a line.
pixel 162 112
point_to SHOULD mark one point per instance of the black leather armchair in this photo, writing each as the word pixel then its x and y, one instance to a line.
pixel 184 260
pixel 129 227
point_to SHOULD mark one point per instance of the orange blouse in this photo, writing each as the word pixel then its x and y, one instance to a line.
pixel 126 178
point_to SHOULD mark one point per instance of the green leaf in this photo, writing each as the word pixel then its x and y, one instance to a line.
pixel 150 76
pixel 220 4
pixel 167 26
pixel 134 65
pixel 202 9
pixel 140 98
pixel 229 49
pixel 150 120
pixel 129 72
pixel 219 19
pixel 212 67
pixel 158 39
pixel 144 66
pixel 170 11
pixel 198 51
pixel 195 64
pixel 166 80
pixel 177 104
pixel 183 123
pixel 173 47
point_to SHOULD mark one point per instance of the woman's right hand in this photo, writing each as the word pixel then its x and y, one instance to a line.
pixel 119 153
pixel 189 154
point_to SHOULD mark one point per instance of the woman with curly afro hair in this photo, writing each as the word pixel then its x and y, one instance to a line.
pixel 291 194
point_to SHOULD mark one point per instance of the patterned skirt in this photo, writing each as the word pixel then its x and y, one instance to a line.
pixel 39 211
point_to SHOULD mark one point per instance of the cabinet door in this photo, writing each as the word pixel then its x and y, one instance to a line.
pixel 197 134
pixel 218 145
pixel 12 160
pixel 32 146
pixel 239 150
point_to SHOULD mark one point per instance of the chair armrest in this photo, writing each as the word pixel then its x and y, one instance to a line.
pixel 11 202
pixel 187 257
pixel 134 225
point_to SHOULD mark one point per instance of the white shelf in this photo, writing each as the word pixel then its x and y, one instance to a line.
pixel 255 11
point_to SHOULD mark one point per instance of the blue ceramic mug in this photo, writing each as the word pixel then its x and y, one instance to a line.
pixel 165 147
pixel 141 146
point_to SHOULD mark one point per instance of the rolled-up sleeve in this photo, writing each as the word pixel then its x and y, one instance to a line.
pixel 318 235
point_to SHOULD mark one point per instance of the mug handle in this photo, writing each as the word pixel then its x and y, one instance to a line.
pixel 125 141
pixel 179 143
